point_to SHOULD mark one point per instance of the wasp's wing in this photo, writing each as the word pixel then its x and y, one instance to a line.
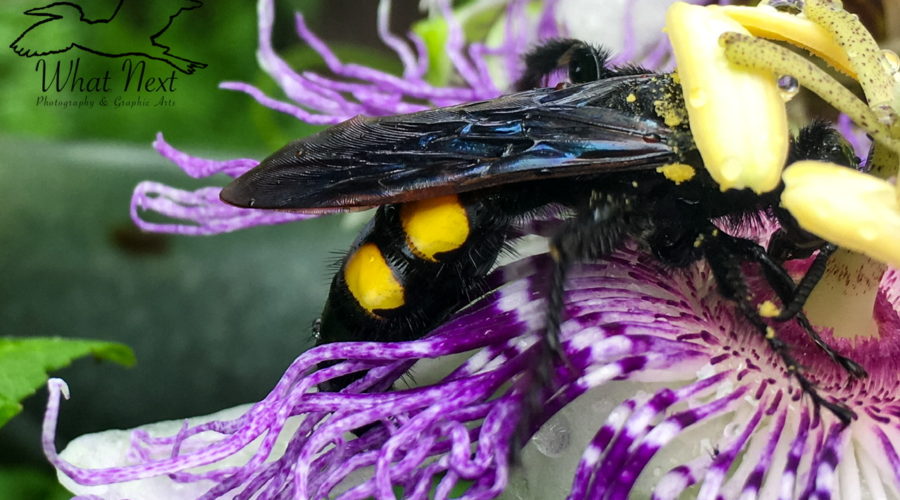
pixel 531 135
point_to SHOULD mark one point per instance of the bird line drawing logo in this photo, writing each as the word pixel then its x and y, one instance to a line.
pixel 102 36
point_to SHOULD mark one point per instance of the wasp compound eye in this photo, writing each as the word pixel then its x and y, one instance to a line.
pixel 582 62
pixel 586 64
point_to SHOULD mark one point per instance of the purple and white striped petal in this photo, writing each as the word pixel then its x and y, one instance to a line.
pixel 691 397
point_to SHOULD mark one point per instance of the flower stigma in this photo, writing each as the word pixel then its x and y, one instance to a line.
pixel 857 211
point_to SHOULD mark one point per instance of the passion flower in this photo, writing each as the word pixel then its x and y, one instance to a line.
pixel 669 392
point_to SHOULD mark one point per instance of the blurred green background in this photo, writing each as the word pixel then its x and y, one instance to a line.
pixel 213 320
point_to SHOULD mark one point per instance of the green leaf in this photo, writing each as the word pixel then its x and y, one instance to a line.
pixel 23 482
pixel 435 32
pixel 24 364
pixel 477 20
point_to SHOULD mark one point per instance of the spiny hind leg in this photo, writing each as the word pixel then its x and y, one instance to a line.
pixel 725 258
pixel 597 229
pixel 794 296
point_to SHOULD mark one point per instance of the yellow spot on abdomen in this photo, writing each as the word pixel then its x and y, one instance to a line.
pixel 677 172
pixel 371 281
pixel 435 225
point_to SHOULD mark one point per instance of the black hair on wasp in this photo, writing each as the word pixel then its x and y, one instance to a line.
pixel 594 145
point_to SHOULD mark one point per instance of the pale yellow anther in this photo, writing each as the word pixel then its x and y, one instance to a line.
pixel 851 209
pixel 737 116
pixel 767 22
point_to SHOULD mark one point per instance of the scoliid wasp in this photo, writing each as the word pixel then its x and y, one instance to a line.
pixel 612 147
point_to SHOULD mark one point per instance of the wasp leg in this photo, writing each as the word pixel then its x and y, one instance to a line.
pixel 725 261
pixel 790 293
pixel 786 245
pixel 596 231
pixel 807 284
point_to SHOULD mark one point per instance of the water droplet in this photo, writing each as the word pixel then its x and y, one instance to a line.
pixel 697 98
pixel 789 6
pixel 731 169
pixel 891 61
pixel 868 233
pixel 885 113
pixel 731 429
pixel 788 86
pixel 554 437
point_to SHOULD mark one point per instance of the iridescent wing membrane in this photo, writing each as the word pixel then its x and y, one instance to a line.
pixel 538 134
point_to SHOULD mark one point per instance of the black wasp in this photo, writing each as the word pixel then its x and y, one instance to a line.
pixel 451 183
